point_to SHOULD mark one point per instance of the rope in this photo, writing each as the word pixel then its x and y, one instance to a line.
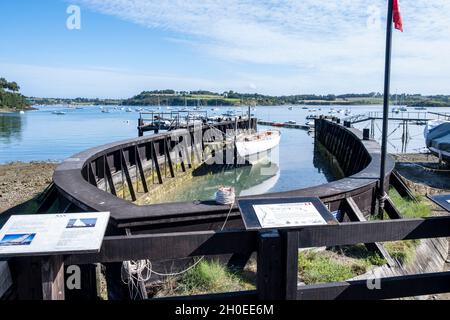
pixel 225 195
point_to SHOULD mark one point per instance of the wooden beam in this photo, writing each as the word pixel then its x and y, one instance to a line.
pixel 169 159
pixel 373 231
pixel 155 162
pixel 391 210
pixel 109 177
pixel 389 288
pixel 185 244
pixel 141 169
pixel 91 176
pixel 269 265
pixel 290 264
pixel 169 246
pixel 127 176
pixel 397 182
pixel 52 272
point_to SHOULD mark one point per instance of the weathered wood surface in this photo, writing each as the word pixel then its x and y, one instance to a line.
pixel 185 244
pixel 5 278
pixel 52 273
pixel 392 287
pixel 270 266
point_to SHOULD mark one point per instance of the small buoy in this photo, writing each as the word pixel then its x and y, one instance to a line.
pixel 22 112
pixel 225 195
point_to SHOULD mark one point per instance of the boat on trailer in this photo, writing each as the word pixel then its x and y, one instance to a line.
pixel 437 137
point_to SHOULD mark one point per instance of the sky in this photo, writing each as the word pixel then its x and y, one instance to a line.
pixel 276 47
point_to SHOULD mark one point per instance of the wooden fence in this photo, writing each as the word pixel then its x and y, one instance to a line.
pixel 277 258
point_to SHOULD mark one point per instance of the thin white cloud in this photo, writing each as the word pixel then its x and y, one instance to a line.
pixel 318 39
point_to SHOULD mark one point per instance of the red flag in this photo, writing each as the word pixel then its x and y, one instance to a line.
pixel 398 24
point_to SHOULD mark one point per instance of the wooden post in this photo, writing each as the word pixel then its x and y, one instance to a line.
pixel 52 272
pixel 269 274
pixel 290 264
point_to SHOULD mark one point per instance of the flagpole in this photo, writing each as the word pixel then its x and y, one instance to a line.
pixel 387 79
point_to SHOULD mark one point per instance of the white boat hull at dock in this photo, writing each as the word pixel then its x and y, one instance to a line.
pixel 253 148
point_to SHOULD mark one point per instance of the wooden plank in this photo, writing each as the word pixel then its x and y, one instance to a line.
pixel 127 176
pixel 389 288
pixel 356 215
pixel 91 176
pixel 109 177
pixel 169 159
pixel 52 272
pixel 48 200
pixel 141 169
pixel 290 264
pixel 374 231
pixel 5 278
pixel 155 162
pixel 179 245
pixel 169 246
pixel 391 210
pixel 397 182
pixel 269 265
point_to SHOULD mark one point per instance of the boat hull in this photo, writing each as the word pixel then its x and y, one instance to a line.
pixel 255 150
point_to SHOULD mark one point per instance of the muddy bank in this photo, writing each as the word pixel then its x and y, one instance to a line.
pixel 424 173
pixel 21 182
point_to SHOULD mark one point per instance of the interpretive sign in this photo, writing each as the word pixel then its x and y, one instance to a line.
pixel 284 213
pixel 50 234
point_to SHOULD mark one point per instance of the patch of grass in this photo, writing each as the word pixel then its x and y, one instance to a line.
pixel 210 277
pixel 320 267
pixel 409 208
pixel 363 255
pixel 403 251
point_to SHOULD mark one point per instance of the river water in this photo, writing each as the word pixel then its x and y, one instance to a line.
pixel 44 136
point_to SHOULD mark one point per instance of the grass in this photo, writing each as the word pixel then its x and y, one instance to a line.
pixel 408 208
pixel 331 266
pixel 207 277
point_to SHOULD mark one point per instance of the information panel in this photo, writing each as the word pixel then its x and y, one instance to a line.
pixel 288 214
pixel 284 213
pixel 50 234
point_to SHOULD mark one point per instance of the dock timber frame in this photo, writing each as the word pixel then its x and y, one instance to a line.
pixel 85 181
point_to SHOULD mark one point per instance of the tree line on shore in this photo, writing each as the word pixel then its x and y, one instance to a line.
pixel 10 98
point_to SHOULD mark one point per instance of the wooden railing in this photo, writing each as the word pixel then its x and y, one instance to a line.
pixel 277 252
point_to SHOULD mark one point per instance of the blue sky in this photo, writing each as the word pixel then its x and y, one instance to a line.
pixel 266 46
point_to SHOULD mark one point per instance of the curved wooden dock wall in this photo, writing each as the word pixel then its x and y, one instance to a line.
pixel 86 181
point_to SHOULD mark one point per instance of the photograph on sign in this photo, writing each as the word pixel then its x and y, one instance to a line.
pixel 288 214
pixel 17 239
pixel 82 223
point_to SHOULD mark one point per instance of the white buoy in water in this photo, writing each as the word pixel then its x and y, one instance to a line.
pixel 22 112
pixel 225 195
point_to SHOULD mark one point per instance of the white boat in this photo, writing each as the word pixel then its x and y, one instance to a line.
pixel 310 124
pixel 59 113
pixel 291 122
pixel 290 108
pixel 129 110
pixel 250 145
pixel 437 138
